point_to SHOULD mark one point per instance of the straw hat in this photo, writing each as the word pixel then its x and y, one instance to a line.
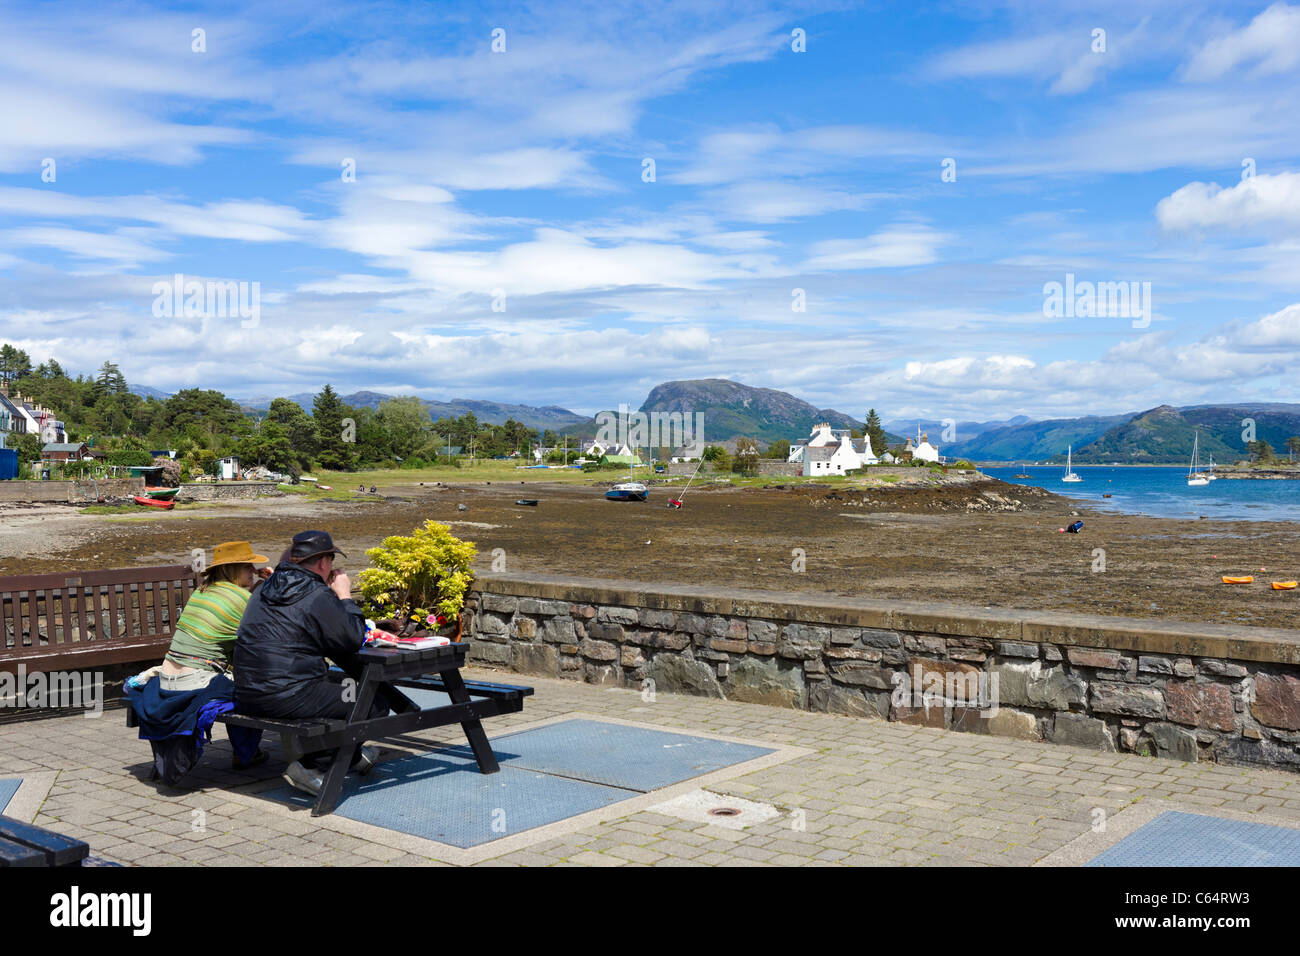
pixel 235 552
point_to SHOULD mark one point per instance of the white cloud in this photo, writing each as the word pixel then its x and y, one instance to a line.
pixel 895 247
pixel 1262 200
pixel 1271 41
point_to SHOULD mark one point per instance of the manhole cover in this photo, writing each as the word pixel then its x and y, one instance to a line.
pixel 733 813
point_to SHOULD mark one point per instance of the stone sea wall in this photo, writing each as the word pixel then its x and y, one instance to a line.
pixel 80 491
pixel 221 490
pixel 1184 691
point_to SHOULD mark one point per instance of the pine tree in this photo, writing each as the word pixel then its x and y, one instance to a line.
pixel 337 441
pixel 876 432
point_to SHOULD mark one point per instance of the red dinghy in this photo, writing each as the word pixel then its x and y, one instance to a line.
pixel 154 503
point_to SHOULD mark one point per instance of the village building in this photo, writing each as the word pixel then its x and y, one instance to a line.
pixel 30 418
pixel 689 452
pixel 921 448
pixel 64 451
pixel 831 451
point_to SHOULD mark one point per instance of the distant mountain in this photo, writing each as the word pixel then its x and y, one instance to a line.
pixel 732 409
pixel 965 431
pixel 1165 434
pixel 1031 441
pixel 492 413
pixel 144 391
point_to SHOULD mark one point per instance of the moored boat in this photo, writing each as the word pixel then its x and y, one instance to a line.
pixel 628 491
pixel 165 494
pixel 1069 466
pixel 153 502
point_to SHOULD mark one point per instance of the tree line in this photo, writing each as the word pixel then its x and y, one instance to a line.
pixel 204 425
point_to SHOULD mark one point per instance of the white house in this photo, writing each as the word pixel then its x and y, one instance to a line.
pixel 832 451
pixel 691 452
pixel 229 469
pixel 922 448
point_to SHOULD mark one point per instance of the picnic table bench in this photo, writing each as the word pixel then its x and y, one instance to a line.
pixel 390 668
pixel 25 844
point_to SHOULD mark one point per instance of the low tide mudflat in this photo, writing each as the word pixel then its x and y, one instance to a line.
pixel 985 543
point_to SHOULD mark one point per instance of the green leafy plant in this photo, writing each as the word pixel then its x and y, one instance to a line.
pixel 413 576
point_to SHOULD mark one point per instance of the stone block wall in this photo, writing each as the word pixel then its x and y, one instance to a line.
pixel 220 490
pixel 80 491
pixel 1189 692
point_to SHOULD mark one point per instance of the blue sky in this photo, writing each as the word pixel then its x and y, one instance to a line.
pixel 481 172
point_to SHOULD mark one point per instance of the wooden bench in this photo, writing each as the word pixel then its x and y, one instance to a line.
pixel 25 844
pixel 90 618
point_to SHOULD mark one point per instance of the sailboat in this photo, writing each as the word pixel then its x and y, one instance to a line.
pixel 1069 466
pixel 628 490
pixel 1196 478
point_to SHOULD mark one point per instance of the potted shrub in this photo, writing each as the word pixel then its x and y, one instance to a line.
pixel 419 582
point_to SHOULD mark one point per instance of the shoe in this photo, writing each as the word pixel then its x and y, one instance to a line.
pixel 258 758
pixel 308 781
pixel 367 757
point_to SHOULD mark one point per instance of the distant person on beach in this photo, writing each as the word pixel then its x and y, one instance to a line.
pixel 303 614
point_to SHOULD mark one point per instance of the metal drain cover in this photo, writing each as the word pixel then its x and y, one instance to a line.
pixel 717 809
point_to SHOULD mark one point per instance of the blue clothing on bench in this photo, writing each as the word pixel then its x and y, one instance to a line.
pixel 164 714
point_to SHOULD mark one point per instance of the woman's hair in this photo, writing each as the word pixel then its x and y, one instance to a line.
pixel 222 572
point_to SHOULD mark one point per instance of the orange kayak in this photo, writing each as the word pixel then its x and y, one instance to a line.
pixel 1285 585
pixel 1248 579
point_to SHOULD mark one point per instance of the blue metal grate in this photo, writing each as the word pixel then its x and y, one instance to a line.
pixel 7 790
pixel 547 774
pixel 1191 839
pixel 633 758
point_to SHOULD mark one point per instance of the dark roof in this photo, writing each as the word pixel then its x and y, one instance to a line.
pixel 64 446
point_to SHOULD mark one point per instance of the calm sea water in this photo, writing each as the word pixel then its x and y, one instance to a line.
pixel 1163 492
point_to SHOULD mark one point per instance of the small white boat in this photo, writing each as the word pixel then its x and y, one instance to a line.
pixel 1196 478
pixel 628 491
pixel 1069 466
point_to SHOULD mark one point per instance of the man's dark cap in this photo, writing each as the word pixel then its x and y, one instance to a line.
pixel 311 544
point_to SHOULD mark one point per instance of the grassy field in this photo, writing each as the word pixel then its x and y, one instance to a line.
pixel 345 483
pixel 486 470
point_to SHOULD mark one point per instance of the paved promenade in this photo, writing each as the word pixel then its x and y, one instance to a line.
pixel 857 792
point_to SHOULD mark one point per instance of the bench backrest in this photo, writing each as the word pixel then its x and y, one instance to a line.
pixel 51 621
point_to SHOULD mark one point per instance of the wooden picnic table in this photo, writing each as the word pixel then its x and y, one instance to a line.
pixel 391 668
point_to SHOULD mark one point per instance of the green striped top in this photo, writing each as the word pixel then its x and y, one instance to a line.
pixel 206 629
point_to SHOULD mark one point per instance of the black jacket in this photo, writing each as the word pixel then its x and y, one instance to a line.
pixel 292 623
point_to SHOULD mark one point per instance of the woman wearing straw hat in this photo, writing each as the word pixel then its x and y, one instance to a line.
pixel 204 640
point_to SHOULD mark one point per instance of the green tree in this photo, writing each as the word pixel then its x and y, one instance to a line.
pixel 28 446
pixel 110 380
pixel 204 416
pixel 1292 446
pixel 745 461
pixel 1261 449
pixel 337 438
pixel 14 363
pixel 268 446
pixel 780 449
pixel 408 425
pixel 876 433
pixel 299 427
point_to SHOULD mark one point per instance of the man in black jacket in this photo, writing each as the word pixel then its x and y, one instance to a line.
pixel 301 615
